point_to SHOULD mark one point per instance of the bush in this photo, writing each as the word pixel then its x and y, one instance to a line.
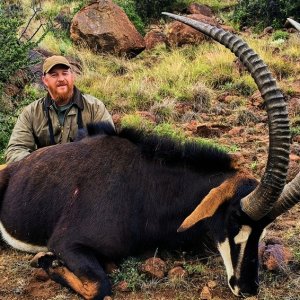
pixel 7 122
pixel 14 55
pixel 129 7
pixel 9 114
pixel 151 9
pixel 15 47
pixel 280 35
pixel 129 273
pixel 13 51
pixel 142 12
pixel 262 13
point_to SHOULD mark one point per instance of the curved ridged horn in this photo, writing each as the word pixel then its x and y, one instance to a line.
pixel 258 203
pixel 294 23
pixel 288 198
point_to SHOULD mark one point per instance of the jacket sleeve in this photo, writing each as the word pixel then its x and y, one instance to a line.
pixel 102 114
pixel 22 141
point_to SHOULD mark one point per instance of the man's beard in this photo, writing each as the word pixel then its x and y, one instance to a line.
pixel 61 97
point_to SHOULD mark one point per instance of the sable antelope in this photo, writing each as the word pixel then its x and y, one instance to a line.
pixel 111 195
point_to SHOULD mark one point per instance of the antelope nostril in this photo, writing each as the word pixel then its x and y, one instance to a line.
pixel 243 289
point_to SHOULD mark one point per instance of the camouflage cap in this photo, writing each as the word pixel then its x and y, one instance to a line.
pixel 54 60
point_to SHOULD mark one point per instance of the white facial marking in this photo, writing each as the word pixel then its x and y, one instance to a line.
pixel 241 238
pixel 224 249
pixel 243 234
pixel 19 244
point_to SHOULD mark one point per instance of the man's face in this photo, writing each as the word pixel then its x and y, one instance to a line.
pixel 60 83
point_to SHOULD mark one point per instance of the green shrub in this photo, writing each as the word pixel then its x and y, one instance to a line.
pixel 13 50
pixel 280 35
pixel 151 9
pixel 14 56
pixel 141 12
pixel 7 122
pixel 9 114
pixel 129 272
pixel 15 44
pixel 262 13
pixel 130 8
pixel 194 269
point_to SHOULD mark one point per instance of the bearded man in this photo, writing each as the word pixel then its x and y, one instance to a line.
pixel 57 117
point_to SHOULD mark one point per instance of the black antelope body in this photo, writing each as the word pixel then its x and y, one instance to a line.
pixel 112 195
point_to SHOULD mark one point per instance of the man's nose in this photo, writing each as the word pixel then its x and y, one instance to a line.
pixel 61 77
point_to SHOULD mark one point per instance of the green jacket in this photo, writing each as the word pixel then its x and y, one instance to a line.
pixel 32 127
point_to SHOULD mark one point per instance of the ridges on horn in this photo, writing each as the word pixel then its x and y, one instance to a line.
pixel 257 204
pixel 288 198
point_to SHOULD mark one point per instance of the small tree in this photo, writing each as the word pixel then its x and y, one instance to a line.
pixel 14 47
pixel 14 55
pixel 13 52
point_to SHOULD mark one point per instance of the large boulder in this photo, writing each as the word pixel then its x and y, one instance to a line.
pixel 105 28
pixel 196 8
pixel 179 34
pixel 154 37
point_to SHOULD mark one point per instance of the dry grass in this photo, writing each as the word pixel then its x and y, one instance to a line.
pixel 140 83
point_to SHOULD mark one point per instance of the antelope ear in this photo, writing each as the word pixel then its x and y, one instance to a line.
pixel 212 201
pixel 3 167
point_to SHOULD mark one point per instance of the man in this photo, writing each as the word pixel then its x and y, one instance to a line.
pixel 56 118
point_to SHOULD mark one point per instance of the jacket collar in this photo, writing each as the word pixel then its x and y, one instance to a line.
pixel 76 99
